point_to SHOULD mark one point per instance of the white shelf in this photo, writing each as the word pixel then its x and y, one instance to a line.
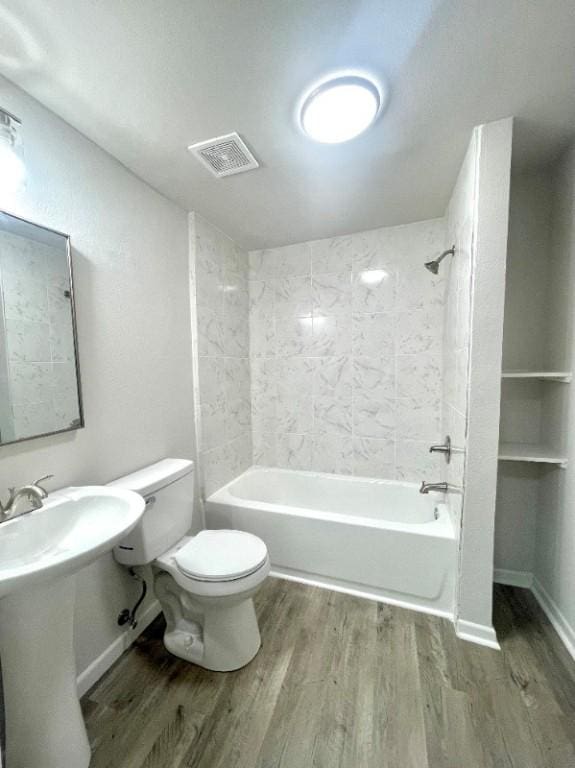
pixel 562 376
pixel 540 454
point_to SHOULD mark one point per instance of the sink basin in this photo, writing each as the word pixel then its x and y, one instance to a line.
pixel 74 527
pixel 39 552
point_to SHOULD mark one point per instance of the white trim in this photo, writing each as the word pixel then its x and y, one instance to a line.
pixel 104 661
pixel 482 634
pixel 335 586
pixel 558 621
pixel 513 578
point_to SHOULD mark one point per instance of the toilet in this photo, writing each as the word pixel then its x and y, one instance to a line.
pixel 205 583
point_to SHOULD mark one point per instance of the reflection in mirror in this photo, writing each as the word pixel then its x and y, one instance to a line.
pixel 39 380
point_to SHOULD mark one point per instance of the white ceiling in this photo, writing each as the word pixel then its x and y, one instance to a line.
pixel 146 78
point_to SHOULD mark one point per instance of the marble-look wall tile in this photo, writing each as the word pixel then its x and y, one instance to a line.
pixel 264 449
pixel 332 454
pixel 346 352
pixel 374 334
pixel 294 336
pixel 292 297
pixel 332 336
pixel 213 424
pixel 332 255
pixel 374 377
pixel 374 458
pixel 332 293
pixel 293 451
pixel 332 376
pixel 224 298
pixel 289 261
pixel 332 415
pixel 236 378
pixel 294 412
pixel 419 376
pixel 211 379
pixel 374 290
pixel 262 335
pixel 210 334
pixel 238 417
pixel 418 418
pixel 414 460
pixel 419 331
pixel 374 417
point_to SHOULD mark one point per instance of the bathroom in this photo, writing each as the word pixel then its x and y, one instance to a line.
pixel 280 342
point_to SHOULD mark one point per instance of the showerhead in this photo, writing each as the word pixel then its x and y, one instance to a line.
pixel 433 266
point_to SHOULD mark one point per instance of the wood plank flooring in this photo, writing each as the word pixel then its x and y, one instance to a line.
pixel 342 682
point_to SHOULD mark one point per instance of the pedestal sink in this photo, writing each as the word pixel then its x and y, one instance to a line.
pixel 39 552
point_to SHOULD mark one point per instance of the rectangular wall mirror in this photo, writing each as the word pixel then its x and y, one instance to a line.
pixel 39 373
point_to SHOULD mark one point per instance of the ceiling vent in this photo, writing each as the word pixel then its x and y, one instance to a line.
pixel 225 155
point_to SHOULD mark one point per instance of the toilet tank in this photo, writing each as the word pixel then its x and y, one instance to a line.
pixel 168 488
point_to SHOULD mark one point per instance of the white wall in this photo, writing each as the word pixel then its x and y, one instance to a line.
pixel 487 306
pixel 554 568
pixel 345 348
pixel 528 262
pixel 130 265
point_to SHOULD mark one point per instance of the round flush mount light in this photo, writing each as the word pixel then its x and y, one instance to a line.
pixel 340 108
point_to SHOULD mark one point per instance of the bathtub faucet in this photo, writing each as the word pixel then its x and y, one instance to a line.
pixel 426 487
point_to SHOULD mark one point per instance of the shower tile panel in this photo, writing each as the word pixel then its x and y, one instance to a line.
pixel 346 351
pixel 223 302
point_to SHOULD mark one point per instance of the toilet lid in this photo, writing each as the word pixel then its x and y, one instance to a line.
pixel 221 555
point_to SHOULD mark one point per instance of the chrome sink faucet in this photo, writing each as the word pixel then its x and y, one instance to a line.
pixel 34 493
pixel 427 487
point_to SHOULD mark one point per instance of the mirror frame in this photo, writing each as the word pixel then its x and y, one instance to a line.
pixel 81 422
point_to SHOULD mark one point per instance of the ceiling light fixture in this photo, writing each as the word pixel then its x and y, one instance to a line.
pixel 340 108
pixel 11 165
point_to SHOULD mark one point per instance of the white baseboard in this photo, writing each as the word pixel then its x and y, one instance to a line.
pixel 560 624
pixel 513 578
pixel 102 664
pixel 482 634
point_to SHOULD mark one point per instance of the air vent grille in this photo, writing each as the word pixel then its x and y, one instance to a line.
pixel 225 155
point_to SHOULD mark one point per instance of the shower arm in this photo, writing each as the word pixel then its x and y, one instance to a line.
pixel 448 252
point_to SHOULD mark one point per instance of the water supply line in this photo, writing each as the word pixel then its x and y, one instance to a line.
pixel 127 616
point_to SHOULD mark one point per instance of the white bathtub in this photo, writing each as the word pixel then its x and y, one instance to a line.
pixel 377 538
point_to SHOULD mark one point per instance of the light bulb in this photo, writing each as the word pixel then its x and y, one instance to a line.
pixel 12 169
pixel 340 109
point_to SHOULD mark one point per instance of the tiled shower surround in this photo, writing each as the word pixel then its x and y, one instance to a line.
pixel 220 273
pixel 346 353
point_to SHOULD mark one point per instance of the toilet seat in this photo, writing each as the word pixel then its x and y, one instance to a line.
pixel 221 555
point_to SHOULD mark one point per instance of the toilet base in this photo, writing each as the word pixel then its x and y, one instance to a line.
pixel 220 634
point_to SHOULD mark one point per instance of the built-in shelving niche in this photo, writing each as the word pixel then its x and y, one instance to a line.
pixel 532 411
pixel 563 377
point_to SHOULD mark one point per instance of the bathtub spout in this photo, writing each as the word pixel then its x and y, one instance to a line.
pixel 427 487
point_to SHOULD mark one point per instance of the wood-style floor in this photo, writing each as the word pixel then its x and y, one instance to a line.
pixel 342 682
